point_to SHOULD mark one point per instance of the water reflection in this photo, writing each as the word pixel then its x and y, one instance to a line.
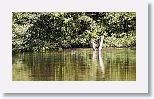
pixel 101 63
pixel 97 63
pixel 75 65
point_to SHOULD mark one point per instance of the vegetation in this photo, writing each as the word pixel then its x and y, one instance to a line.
pixel 40 31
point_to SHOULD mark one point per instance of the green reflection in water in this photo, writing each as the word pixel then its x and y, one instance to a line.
pixel 111 64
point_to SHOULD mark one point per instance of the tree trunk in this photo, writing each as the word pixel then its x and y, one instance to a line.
pixel 101 43
pixel 94 45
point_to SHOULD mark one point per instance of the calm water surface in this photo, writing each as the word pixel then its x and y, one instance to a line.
pixel 111 64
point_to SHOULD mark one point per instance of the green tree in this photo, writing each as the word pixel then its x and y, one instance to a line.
pixel 40 31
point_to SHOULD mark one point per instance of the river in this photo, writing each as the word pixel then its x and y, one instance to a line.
pixel 81 64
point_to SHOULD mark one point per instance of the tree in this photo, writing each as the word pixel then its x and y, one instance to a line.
pixel 37 31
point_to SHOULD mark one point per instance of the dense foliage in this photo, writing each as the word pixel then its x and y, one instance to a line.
pixel 38 31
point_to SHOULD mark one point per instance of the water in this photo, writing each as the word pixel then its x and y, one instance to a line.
pixel 111 64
